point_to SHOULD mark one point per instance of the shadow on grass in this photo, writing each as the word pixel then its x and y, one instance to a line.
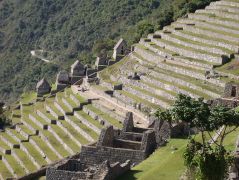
pixel 130 175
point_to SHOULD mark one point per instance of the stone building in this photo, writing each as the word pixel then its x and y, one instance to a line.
pixel 230 97
pixel 110 156
pixel 101 63
pixel 120 49
pixel 78 71
pixel 62 80
pixel 43 87
pixel 231 90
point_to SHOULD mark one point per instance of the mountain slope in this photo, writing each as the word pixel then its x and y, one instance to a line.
pixel 67 29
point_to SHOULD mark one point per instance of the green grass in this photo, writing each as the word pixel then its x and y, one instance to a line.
pixel 232 67
pixel 49 153
pixel 4 171
pixel 28 97
pixel 35 154
pixel 74 133
pixel 26 161
pixel 111 120
pixel 90 119
pixel 164 164
pixel 84 127
pixel 17 169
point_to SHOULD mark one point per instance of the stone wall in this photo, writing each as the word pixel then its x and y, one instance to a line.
pixel 96 155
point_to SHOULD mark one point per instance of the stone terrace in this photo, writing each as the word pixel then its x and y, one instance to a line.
pixel 49 130
pixel 181 58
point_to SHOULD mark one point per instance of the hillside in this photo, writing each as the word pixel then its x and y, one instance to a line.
pixel 67 30
pixel 190 56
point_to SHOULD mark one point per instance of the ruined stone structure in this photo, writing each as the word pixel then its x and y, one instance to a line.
pixel 230 98
pixel 101 63
pixel 78 71
pixel 43 87
pixel 62 80
pixel 110 156
pixel 119 49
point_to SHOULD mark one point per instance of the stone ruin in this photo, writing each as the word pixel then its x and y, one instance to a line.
pixel 62 80
pixel 120 50
pixel 230 97
pixel 78 71
pixel 43 87
pixel 114 153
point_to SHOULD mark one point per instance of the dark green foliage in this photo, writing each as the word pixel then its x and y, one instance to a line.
pixel 68 29
pixel 3 119
pixel 204 160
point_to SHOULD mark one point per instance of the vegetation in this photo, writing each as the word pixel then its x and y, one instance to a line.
pixel 207 160
pixel 67 30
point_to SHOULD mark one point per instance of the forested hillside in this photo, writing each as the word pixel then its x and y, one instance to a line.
pixel 72 29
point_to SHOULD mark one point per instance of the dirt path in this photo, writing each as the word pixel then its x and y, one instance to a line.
pixel 33 53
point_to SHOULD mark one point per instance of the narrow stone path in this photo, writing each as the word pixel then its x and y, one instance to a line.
pixel 33 53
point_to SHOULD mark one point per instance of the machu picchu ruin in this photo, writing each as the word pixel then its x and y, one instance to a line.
pixel 98 121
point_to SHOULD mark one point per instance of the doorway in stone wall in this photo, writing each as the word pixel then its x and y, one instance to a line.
pixel 234 91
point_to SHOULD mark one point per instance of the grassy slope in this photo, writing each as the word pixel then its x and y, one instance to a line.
pixel 167 164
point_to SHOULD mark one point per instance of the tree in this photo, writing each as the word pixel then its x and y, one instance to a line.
pixel 206 160
pixel 3 118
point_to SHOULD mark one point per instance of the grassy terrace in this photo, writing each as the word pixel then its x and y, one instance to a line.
pixel 24 158
pixel 176 55
pixel 205 85
pixel 9 138
pixel 17 169
pixel 138 99
pixel 200 43
pixel 49 153
pixel 208 37
pixel 218 17
pixel 162 98
pixel 89 119
pixel 4 171
pixel 232 67
pixel 187 48
pixel 66 139
pixel 74 133
pixel 111 120
pixel 4 145
pixel 84 128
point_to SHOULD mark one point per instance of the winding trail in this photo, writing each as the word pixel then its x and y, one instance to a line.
pixel 33 53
